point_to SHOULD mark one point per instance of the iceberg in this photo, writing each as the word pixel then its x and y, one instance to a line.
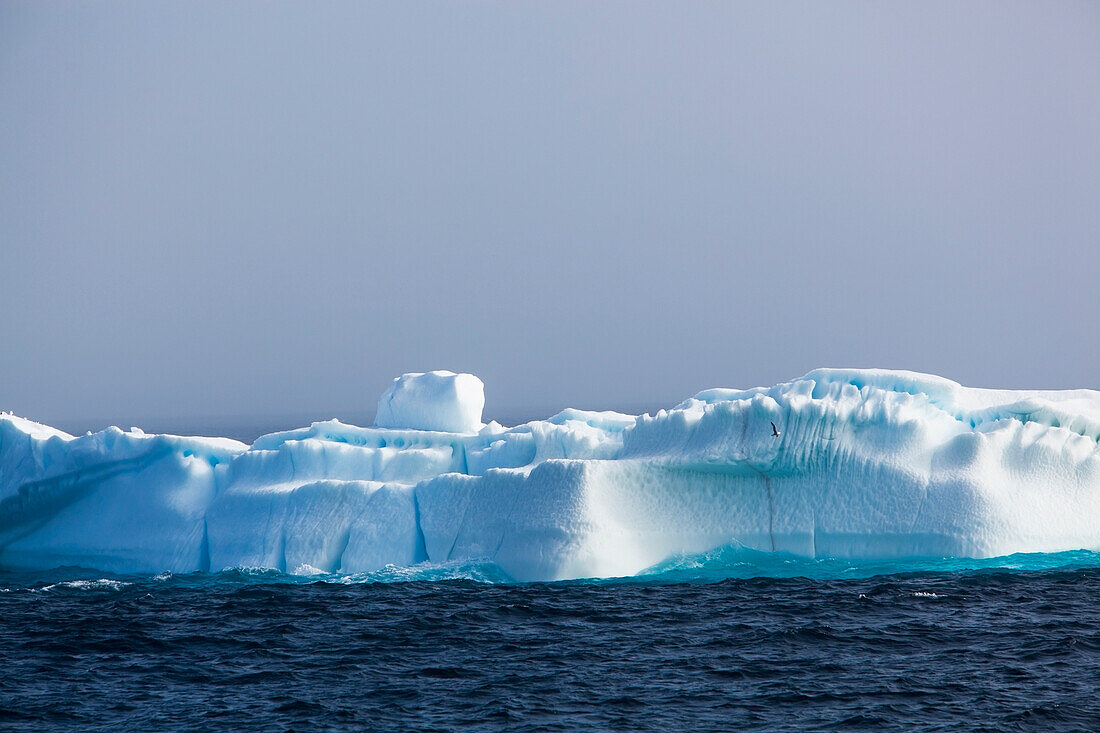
pixel 867 464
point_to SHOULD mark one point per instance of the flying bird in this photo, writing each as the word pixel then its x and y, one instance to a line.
pixel 775 431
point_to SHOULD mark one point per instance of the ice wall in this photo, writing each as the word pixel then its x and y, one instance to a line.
pixel 867 464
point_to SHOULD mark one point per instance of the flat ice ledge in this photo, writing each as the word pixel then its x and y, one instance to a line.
pixel 439 400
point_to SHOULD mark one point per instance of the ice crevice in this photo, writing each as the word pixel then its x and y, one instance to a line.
pixel 420 551
pixel 868 464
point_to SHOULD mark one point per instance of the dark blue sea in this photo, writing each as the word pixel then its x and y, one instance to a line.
pixel 978 647
pixel 730 640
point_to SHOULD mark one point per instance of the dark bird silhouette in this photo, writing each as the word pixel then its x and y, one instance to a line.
pixel 775 431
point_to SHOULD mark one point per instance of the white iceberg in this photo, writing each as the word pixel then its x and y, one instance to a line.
pixel 868 464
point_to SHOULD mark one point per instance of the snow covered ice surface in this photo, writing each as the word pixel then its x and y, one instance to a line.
pixel 869 464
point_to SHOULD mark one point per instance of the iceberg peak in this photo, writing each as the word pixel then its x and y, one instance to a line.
pixel 438 400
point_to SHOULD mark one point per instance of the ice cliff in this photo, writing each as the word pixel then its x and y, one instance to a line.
pixel 867 464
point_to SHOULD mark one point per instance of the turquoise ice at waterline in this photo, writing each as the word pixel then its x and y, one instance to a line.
pixel 840 471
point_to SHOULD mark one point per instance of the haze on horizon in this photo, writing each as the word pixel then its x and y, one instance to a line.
pixel 213 209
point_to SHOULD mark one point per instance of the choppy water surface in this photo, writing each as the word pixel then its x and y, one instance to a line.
pixel 1012 644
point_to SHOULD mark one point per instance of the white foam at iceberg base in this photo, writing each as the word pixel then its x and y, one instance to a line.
pixel 868 464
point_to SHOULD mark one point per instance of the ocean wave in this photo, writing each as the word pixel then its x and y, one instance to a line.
pixel 731 562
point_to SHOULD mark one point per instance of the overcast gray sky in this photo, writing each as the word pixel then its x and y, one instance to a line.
pixel 212 209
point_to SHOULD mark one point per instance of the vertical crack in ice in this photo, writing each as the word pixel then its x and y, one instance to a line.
pixel 771 502
pixel 458 529
pixel 920 506
pixel 454 542
pixel 420 548
pixel 281 561
pixel 342 547
pixel 764 476
pixel 204 549
pixel 500 544
pixel 465 466
pixel 813 530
